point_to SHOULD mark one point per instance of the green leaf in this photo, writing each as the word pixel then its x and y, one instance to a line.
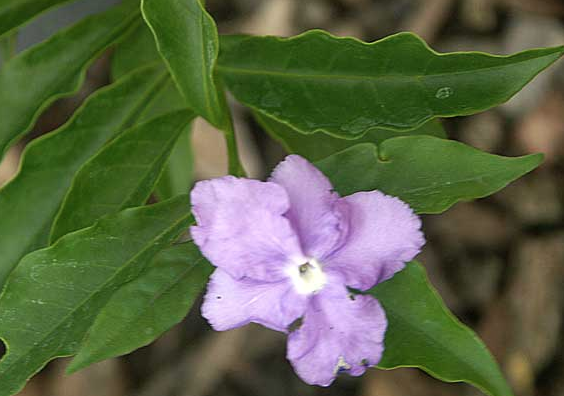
pixel 178 175
pixel 8 46
pixel 122 175
pixel 139 48
pixel 423 333
pixel 320 145
pixel 143 309
pixel 54 295
pixel 168 99
pixel 55 68
pixel 14 13
pixel 428 173
pixel 187 39
pixel 342 86
pixel 29 203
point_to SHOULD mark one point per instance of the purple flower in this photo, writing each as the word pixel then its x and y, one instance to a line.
pixel 289 249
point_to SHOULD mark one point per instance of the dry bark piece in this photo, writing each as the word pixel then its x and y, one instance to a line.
pixel 542 129
pixel 407 381
pixel 429 18
pixel 478 294
pixel 471 225
pixel 536 298
pixel 35 387
pixel 9 165
pixel 534 199
pixel 436 274
pixel 105 378
pixel 523 328
pixel 479 15
pixel 272 17
pixel 542 7
pixel 483 131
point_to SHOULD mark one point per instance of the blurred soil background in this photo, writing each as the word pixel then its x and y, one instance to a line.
pixel 497 262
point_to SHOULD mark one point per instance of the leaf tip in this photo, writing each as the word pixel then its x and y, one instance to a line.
pixel 535 160
pixel 79 362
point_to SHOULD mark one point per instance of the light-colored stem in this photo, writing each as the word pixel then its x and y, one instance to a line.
pixel 235 166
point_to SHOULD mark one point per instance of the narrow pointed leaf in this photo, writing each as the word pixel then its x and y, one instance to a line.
pixel 137 49
pixel 121 175
pixel 423 333
pixel 54 295
pixel 55 68
pixel 428 173
pixel 342 86
pixel 14 13
pixel 29 203
pixel 187 39
pixel 319 145
pixel 177 176
pixel 142 310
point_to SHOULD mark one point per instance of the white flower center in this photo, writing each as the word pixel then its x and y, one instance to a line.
pixel 308 277
pixel 341 365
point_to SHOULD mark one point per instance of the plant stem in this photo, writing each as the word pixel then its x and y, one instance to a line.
pixel 235 167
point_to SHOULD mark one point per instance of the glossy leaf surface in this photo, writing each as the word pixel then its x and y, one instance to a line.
pixel 178 174
pixel 54 295
pixel 137 49
pixel 143 309
pixel 320 145
pixel 122 175
pixel 14 13
pixel 423 333
pixel 342 86
pixel 428 173
pixel 187 39
pixel 29 203
pixel 55 68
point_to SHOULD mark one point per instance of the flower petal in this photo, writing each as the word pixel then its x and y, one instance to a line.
pixel 312 205
pixel 338 333
pixel 241 227
pixel 231 303
pixel 383 234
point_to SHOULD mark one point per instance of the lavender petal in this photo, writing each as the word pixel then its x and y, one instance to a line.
pixel 338 334
pixel 231 303
pixel 241 227
pixel 312 205
pixel 383 235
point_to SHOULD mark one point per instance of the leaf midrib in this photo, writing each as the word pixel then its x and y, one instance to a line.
pixel 146 307
pixel 295 75
pixel 137 108
pixel 163 154
pixel 485 176
pixel 79 73
pixel 39 142
pixel 90 296
pixel 124 203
